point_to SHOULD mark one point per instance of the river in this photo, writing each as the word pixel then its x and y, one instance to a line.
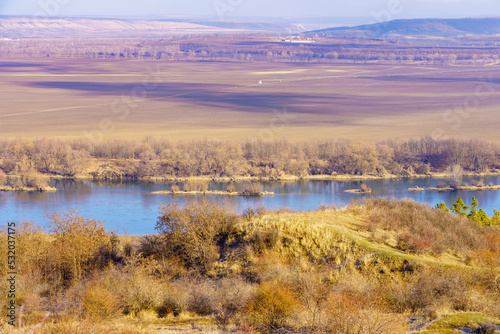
pixel 130 208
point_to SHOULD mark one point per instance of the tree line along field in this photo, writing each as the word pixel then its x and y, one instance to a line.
pixel 101 99
pixel 262 47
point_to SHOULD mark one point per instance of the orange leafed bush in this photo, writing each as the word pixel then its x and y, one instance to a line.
pixel 415 243
pixel 271 307
pixel 77 241
pixel 489 254
pixel 350 312
pixel 99 301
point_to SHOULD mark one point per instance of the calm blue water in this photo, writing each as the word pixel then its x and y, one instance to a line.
pixel 130 207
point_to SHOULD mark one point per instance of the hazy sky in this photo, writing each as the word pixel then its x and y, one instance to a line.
pixel 241 8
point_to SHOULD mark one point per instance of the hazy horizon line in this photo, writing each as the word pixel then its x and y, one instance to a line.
pixel 238 18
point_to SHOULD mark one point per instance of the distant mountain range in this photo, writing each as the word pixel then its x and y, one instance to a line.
pixel 418 27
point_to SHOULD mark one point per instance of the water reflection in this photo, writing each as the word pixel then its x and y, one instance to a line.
pixel 129 207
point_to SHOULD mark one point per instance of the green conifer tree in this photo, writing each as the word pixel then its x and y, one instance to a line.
pixel 496 218
pixel 442 206
pixel 473 211
pixel 483 218
pixel 459 207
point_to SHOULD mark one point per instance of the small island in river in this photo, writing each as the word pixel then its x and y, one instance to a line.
pixel 41 189
pixel 462 188
pixel 213 192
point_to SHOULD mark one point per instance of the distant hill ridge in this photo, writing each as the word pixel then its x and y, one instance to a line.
pixel 19 27
pixel 429 27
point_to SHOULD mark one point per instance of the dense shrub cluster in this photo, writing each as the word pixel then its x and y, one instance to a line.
pixel 424 229
pixel 195 233
pixel 154 158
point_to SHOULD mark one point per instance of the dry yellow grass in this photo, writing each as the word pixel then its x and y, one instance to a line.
pixel 314 234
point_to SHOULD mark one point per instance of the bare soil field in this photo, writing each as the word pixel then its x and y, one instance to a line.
pixel 131 99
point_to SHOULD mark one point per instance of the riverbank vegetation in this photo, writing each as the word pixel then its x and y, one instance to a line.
pixel 200 187
pixel 380 266
pixel 34 160
pixel 461 188
pixel 24 180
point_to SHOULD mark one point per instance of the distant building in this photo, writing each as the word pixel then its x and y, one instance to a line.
pixel 296 39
